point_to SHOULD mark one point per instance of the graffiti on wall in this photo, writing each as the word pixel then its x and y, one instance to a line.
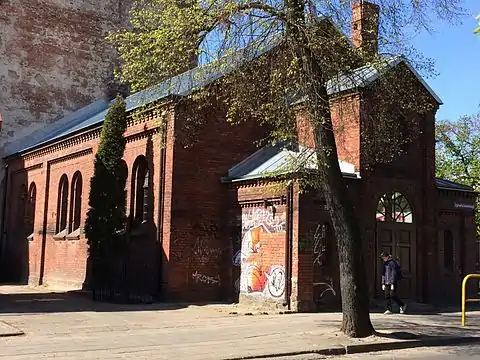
pixel 324 288
pixel 260 273
pixel 320 245
pixel 205 249
pixel 205 279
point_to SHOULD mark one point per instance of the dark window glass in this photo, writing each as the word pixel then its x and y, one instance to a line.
pixel 62 205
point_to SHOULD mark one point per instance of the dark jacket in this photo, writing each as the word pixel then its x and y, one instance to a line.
pixel 389 273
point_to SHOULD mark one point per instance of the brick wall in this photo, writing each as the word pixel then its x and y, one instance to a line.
pixel 200 247
pixel 460 223
pixel 65 257
pixel 346 115
pixel 346 118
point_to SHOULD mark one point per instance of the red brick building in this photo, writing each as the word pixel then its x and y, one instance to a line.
pixel 206 224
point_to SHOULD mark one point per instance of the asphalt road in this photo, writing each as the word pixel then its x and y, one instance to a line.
pixel 438 353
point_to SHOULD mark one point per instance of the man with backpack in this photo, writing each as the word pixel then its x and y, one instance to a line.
pixel 391 274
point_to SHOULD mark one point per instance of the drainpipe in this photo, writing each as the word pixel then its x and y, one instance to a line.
pixel 161 198
pixel 44 227
pixel 288 245
pixel 4 208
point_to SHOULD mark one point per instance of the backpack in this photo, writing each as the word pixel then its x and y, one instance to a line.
pixel 398 271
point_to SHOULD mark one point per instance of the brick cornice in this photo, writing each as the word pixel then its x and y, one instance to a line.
pixel 142 134
pixel 29 168
pixel 277 200
pixel 71 156
pixel 152 114
pixel 65 144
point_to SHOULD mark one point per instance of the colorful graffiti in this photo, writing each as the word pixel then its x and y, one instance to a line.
pixel 261 271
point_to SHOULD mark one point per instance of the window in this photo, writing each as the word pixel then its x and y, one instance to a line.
pixel 75 202
pixel 62 205
pixel 394 207
pixel 140 191
pixel 448 252
pixel 30 210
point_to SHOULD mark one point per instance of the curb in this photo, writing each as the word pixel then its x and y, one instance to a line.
pixel 408 344
pixel 372 347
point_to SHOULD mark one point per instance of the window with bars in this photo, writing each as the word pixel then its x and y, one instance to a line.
pixel 394 207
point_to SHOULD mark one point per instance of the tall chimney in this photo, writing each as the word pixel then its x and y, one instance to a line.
pixel 365 20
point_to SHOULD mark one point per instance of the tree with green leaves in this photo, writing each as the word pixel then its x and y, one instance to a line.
pixel 278 52
pixel 106 215
pixel 457 153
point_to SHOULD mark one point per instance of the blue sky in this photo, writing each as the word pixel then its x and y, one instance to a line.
pixel 456 51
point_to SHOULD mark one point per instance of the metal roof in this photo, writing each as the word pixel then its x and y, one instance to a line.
pixel 451 185
pixel 366 75
pixel 278 160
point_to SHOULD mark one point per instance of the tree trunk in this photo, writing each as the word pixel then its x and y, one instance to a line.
pixel 353 282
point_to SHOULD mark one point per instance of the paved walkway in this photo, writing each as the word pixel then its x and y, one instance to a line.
pixel 61 326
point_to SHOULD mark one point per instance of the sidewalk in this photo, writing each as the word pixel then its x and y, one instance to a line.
pixel 60 326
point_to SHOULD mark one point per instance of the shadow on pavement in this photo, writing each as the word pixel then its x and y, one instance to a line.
pixel 378 307
pixel 75 301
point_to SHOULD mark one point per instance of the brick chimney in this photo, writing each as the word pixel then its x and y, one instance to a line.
pixel 365 20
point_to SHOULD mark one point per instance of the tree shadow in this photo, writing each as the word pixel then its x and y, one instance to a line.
pixel 377 306
pixel 76 301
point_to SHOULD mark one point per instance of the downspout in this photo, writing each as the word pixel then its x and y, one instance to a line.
pixel 161 205
pixel 288 245
pixel 4 208
pixel 44 227
pixel 161 202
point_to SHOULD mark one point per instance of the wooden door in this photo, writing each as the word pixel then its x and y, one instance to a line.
pixel 399 240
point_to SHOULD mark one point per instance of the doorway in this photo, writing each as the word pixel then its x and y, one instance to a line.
pixel 396 234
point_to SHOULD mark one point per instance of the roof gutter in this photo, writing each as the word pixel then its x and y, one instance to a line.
pixel 228 180
pixel 459 190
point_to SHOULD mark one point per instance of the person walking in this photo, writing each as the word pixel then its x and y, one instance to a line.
pixel 391 275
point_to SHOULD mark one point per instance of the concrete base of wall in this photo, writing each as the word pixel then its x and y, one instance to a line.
pixel 262 303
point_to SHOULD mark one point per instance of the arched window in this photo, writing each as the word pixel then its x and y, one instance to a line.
pixel 62 204
pixel 75 202
pixel 448 250
pixel 140 190
pixel 394 207
pixel 30 210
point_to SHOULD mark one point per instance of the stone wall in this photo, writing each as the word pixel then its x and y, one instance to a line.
pixel 53 60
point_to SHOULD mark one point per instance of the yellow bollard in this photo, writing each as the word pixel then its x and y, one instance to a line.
pixel 464 300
